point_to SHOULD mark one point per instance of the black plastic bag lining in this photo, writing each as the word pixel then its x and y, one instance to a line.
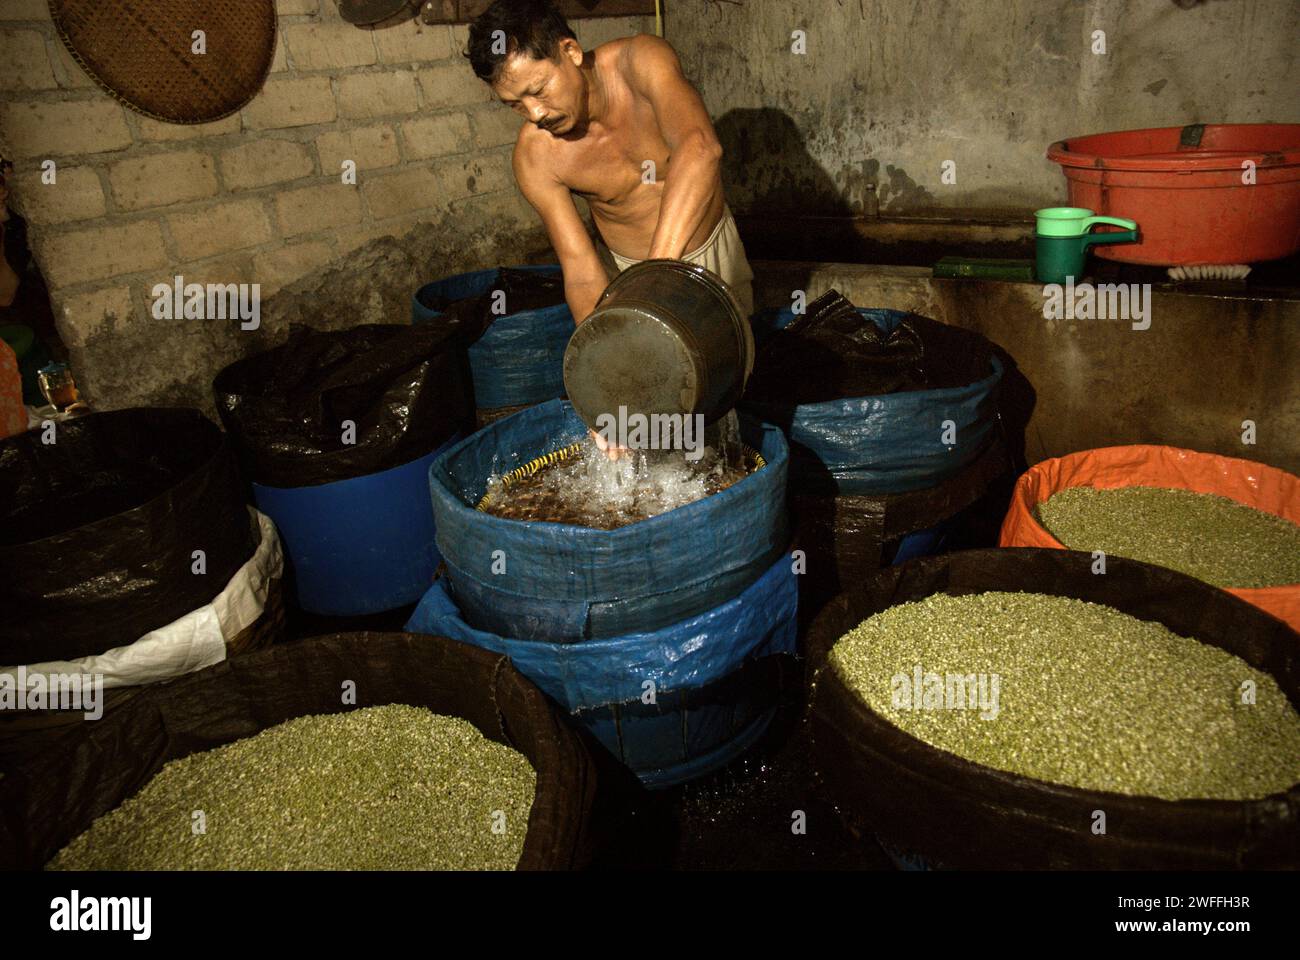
pixel 98 530
pixel 832 352
pixel 406 388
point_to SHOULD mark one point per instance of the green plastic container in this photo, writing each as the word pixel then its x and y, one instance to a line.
pixel 1062 257
pixel 1063 236
pixel 1073 221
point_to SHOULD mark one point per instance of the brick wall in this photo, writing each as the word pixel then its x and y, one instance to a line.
pixel 258 197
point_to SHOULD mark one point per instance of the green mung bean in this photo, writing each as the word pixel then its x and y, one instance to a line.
pixel 1085 696
pixel 381 788
pixel 1212 538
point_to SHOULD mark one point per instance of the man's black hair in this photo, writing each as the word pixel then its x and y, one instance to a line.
pixel 531 27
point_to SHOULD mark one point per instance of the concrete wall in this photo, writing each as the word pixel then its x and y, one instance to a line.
pixel 888 90
pixel 258 197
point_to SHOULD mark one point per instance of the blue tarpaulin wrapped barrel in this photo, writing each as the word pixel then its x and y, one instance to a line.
pixel 565 583
pixel 891 443
pixel 872 480
pixel 519 359
pixel 714 676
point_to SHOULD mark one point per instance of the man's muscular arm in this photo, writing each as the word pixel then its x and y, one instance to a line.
pixel 655 73
pixel 584 275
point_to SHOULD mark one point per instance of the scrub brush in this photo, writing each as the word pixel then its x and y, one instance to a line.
pixel 1210 271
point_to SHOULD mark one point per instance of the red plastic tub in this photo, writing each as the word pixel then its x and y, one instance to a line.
pixel 1183 186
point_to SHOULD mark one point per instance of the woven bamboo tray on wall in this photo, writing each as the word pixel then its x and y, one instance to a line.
pixel 143 52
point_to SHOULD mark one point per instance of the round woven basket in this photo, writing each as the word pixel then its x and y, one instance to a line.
pixel 143 52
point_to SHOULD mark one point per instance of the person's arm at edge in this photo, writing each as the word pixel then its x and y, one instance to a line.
pixel 585 278
pixel 696 154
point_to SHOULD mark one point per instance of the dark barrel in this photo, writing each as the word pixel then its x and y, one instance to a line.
pixel 54 793
pixel 945 811
pixel 99 529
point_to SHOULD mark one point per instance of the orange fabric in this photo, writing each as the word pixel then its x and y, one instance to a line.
pixel 13 415
pixel 1142 465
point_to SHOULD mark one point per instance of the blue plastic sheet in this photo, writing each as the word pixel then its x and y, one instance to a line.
pixel 520 359
pixel 892 443
pixel 761 621
pixel 567 583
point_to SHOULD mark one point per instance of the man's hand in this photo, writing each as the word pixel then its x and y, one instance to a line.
pixel 612 451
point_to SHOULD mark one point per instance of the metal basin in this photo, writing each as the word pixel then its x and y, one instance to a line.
pixel 667 337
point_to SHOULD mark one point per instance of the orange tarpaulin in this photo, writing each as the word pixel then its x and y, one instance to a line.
pixel 13 415
pixel 1142 465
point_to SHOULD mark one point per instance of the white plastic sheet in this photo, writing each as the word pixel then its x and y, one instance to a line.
pixel 191 642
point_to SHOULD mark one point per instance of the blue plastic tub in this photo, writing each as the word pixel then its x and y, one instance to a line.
pixel 558 582
pixel 361 545
pixel 520 359
pixel 713 677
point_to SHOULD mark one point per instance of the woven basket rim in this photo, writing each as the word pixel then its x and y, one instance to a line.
pixel 564 453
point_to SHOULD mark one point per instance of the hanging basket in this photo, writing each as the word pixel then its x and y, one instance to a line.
pixel 144 52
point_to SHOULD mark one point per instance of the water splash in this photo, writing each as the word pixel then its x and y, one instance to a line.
pixel 591 490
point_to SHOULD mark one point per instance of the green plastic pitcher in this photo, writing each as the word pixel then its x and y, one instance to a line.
pixel 1073 221
pixel 1063 239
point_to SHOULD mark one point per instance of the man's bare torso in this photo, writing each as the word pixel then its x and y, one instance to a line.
pixel 605 165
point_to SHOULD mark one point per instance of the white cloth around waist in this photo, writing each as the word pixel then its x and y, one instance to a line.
pixel 697 253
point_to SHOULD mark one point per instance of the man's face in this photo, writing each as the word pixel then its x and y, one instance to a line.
pixel 549 93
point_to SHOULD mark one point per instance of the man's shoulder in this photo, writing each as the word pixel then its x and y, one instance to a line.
pixel 531 141
pixel 532 158
pixel 623 53
pixel 642 60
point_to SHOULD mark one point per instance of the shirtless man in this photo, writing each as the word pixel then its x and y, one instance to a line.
pixel 594 118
